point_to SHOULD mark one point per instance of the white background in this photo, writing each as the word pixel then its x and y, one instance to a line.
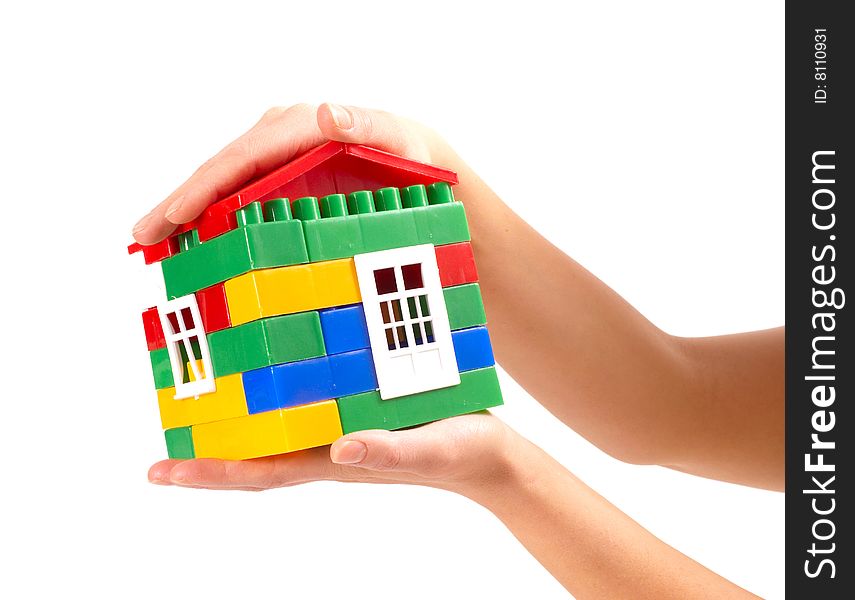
pixel 643 138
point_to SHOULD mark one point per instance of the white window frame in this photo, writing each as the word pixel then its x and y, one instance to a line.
pixel 392 382
pixel 198 385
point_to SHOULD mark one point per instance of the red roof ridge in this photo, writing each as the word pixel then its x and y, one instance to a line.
pixel 297 167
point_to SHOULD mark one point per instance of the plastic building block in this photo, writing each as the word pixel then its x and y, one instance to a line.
pixel 331 168
pixel 413 196
pixel 478 390
pixel 161 368
pixel 465 306
pixel 226 403
pixel 307 381
pixel 179 443
pixel 291 384
pixel 156 252
pixel 188 239
pixel 388 198
pixel 407 320
pixel 214 308
pixel 211 226
pixel 278 209
pixel 266 342
pixel 297 288
pixel 153 331
pixel 456 264
pixel 255 246
pixel 343 237
pixel 472 348
pixel 333 205
pixel 295 340
pixel 191 372
pixel 352 372
pixel 268 433
pixel 344 328
pixel 306 209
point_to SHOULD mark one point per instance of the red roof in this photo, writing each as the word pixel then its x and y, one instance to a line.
pixel 333 167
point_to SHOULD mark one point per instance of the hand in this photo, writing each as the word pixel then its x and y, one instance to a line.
pixel 280 135
pixel 468 455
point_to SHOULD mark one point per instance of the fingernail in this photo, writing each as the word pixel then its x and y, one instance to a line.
pixel 341 116
pixel 142 224
pixel 174 207
pixel 349 453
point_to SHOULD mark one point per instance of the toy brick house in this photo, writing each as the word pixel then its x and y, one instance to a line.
pixel 289 323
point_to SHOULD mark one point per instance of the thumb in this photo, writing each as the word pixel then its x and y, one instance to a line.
pixel 374 128
pixel 415 451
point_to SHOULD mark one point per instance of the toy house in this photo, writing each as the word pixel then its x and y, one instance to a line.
pixel 290 322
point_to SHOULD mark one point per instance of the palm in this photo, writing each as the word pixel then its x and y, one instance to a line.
pixel 441 454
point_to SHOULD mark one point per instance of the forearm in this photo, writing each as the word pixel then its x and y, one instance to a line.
pixel 710 406
pixel 573 343
pixel 591 547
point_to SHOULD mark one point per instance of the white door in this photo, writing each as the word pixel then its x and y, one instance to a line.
pixel 407 320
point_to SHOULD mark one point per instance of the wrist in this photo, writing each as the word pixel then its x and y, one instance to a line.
pixel 504 474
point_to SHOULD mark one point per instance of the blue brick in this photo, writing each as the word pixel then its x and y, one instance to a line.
pixel 344 329
pixel 353 372
pixel 290 384
pixel 472 348
pixel 344 373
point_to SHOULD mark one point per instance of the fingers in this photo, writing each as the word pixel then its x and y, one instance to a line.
pixel 452 452
pixel 256 474
pixel 159 472
pixel 280 135
pixel 372 128
pixel 424 451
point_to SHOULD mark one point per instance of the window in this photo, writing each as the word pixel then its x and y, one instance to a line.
pixel 187 346
pixel 407 320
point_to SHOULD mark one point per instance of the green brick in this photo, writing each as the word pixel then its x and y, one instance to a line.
pixel 256 246
pixel 266 342
pixel 161 368
pixel 334 237
pixel 343 237
pixel 179 442
pixel 464 306
pixel 478 390
pixel 389 229
pixel 441 224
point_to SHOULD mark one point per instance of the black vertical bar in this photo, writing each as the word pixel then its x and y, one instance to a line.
pixel 820 226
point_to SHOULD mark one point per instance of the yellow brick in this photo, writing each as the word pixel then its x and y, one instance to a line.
pixel 199 365
pixel 227 402
pixel 268 433
pixel 252 436
pixel 312 425
pixel 296 288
